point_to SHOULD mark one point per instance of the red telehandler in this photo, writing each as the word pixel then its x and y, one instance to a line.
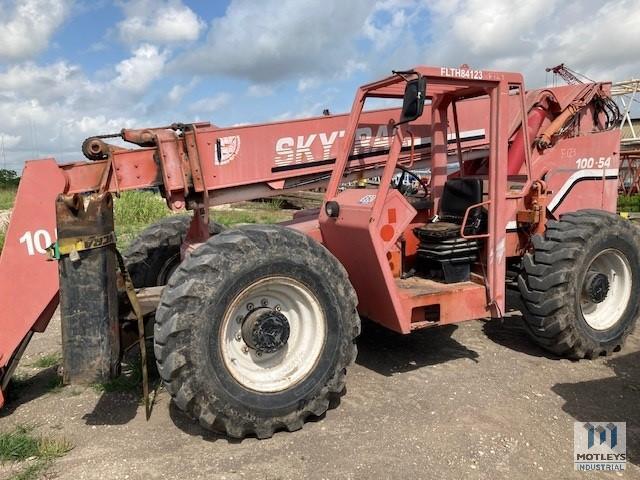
pixel 254 326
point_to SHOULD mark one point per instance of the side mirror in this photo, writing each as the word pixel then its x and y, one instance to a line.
pixel 414 97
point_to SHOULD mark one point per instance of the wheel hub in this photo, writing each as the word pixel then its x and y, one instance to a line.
pixel 596 287
pixel 265 330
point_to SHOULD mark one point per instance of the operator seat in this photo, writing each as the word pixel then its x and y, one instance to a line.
pixel 442 252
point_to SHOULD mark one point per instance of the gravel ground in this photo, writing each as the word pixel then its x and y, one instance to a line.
pixel 476 400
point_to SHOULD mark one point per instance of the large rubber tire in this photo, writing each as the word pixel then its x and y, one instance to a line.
pixel 552 284
pixel 191 333
pixel 155 253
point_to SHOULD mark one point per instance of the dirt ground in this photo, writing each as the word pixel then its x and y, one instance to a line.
pixel 476 400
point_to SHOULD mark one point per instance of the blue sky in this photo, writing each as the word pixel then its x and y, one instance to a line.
pixel 74 68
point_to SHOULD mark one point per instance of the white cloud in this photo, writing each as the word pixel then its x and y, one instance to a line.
pixel 605 45
pixel 308 83
pixel 56 82
pixel 50 109
pixel 9 141
pixel 256 90
pixel 157 22
pixel 26 29
pixel 136 73
pixel 87 125
pixel 176 93
pixel 179 90
pixel 210 104
pixel 382 33
pixel 295 50
pixel 593 37
pixel 280 38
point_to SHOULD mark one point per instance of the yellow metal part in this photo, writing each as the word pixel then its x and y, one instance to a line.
pixel 73 245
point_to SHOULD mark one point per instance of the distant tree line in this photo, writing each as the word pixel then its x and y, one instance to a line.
pixel 8 178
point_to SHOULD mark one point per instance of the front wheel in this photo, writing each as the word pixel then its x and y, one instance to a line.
pixel 255 331
pixel 581 284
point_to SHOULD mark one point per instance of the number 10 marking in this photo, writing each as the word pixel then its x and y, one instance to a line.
pixel 36 242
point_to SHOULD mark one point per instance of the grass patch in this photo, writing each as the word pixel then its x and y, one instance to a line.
pixel 18 444
pixel 273 203
pixel 139 207
pixel 46 361
pixel 233 217
pixel 7 197
pixel 134 211
pixel 129 381
pixel 2 234
pixel 21 444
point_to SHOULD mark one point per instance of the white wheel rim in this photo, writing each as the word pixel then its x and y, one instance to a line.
pixel 280 370
pixel 603 315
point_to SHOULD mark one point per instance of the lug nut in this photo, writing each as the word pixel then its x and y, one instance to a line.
pixel 239 319
pixel 277 308
pixel 245 349
pixel 249 306
pixel 264 302
pixel 259 354
pixel 238 337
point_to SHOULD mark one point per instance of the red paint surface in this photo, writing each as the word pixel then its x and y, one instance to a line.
pixel 29 283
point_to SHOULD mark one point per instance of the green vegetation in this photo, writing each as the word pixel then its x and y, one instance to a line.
pixel 18 444
pixel 233 217
pixel 8 186
pixel 21 444
pixel 8 178
pixel 46 361
pixel 7 197
pixel 139 207
pixel 2 234
pixel 274 203
pixel 133 211
pixel 129 381
pixel 629 204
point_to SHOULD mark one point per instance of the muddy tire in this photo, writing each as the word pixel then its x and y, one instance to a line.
pixel 255 331
pixel 155 253
pixel 581 283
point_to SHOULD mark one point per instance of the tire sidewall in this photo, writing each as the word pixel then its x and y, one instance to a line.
pixel 218 382
pixel 623 242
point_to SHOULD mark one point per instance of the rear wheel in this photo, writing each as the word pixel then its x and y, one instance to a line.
pixel 155 253
pixel 255 330
pixel 581 283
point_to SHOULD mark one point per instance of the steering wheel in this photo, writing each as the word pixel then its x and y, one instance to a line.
pixel 403 189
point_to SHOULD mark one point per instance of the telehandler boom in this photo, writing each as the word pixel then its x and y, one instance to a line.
pixel 255 326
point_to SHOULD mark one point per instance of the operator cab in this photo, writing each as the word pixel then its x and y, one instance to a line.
pixel 432 220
